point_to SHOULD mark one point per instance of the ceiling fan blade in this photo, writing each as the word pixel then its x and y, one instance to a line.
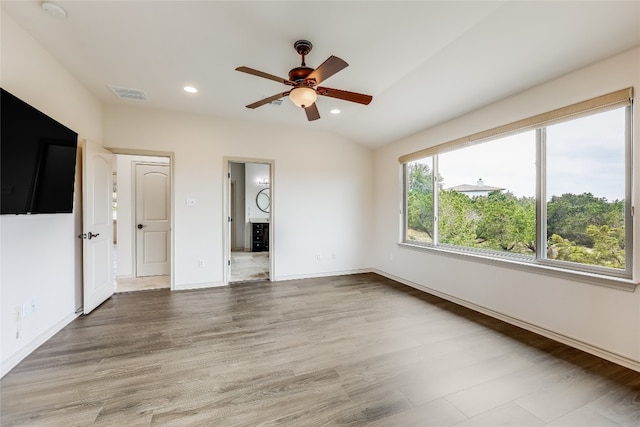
pixel 312 112
pixel 327 69
pixel 346 95
pixel 268 100
pixel 265 75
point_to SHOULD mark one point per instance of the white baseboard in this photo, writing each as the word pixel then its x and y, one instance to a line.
pixel 323 274
pixel 11 362
pixel 596 351
pixel 191 286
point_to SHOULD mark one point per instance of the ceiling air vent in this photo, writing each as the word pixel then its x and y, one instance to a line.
pixel 277 102
pixel 124 93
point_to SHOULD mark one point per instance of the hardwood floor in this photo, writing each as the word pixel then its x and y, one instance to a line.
pixel 134 284
pixel 350 350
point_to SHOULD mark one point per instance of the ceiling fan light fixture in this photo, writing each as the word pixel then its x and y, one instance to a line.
pixel 303 96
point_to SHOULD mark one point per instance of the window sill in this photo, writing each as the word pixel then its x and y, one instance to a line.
pixel 522 264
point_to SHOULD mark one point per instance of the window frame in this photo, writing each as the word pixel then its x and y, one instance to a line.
pixel 539 263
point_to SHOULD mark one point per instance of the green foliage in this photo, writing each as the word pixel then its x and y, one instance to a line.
pixel 506 222
pixel 606 250
pixel 458 220
pixel 420 212
pixel 419 178
pixel 581 228
pixel 420 198
pixel 570 215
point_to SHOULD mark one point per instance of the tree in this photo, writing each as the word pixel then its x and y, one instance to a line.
pixel 420 212
pixel 580 228
pixel 457 220
pixel 506 222
pixel 606 251
pixel 420 198
pixel 570 215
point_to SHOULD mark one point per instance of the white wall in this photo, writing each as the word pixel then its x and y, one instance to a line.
pixel 40 255
pixel 602 320
pixel 322 193
pixel 237 175
pixel 254 172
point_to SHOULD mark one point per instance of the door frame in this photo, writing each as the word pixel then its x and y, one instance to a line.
pixel 226 214
pixel 171 156
pixel 232 214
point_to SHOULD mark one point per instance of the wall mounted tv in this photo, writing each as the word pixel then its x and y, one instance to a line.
pixel 38 160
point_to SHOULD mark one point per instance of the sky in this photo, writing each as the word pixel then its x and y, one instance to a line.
pixel 583 155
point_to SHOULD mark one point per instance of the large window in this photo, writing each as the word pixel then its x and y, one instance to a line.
pixel 551 190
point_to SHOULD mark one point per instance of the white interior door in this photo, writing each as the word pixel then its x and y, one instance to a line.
pixel 97 225
pixel 153 208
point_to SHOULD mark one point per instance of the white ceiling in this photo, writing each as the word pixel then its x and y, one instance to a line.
pixel 423 62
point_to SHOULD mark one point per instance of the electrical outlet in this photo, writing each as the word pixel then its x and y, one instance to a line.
pixel 319 256
pixel 200 263
pixel 334 255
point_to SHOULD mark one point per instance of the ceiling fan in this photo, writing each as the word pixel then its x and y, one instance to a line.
pixel 305 81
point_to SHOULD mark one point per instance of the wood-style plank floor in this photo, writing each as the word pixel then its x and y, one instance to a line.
pixel 350 350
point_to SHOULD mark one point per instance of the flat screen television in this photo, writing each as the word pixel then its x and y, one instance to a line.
pixel 37 160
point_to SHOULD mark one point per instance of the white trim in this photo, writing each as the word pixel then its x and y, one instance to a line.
pixel 596 351
pixel 521 263
pixel 323 274
pixel 27 349
pixel 192 286
pixel 226 201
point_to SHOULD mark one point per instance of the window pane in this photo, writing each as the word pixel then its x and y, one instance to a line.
pixel 420 201
pixel 586 190
pixel 487 195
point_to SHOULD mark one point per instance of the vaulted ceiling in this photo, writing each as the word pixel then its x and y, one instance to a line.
pixel 423 62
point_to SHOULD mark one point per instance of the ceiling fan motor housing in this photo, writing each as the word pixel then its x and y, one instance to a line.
pixel 298 74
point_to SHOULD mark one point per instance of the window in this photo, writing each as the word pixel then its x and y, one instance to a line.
pixel 551 190
pixel 420 200
pixel 487 196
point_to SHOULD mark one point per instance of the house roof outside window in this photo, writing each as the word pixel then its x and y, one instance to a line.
pixel 480 189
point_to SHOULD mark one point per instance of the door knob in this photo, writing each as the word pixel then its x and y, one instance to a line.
pixel 91 235
pixel 140 226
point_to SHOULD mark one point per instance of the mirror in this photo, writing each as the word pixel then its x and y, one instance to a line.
pixel 263 200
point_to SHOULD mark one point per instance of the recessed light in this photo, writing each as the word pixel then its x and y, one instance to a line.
pixel 53 9
pixel 190 89
pixel 335 111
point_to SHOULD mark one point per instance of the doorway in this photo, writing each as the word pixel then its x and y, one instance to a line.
pixel 142 222
pixel 249 234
